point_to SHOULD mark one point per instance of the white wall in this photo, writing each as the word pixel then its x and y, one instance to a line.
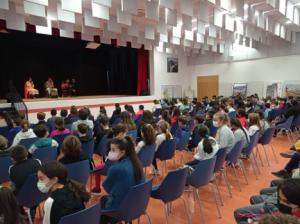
pixel 159 75
pixel 254 72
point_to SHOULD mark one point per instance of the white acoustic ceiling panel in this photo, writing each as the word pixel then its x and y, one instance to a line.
pixel 4 4
pixel 170 17
pixel 113 26
pixel 72 5
pixel 162 28
pixel 34 9
pixel 106 3
pixel 15 21
pixel 187 22
pixel 100 11
pixel 130 6
pixel 149 32
pixel 133 30
pixel 167 3
pixel 152 10
pixel 41 2
pixel 65 16
pixel 124 17
pixel 89 20
pixel 186 7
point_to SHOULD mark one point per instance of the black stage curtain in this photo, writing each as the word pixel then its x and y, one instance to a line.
pixel 106 70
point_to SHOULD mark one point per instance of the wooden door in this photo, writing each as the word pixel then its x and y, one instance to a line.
pixel 207 86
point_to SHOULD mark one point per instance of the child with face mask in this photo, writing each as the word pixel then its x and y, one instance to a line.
pixel 283 199
pixel 65 196
pixel 224 136
pixel 127 173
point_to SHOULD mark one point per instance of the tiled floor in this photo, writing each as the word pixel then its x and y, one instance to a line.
pixel 156 208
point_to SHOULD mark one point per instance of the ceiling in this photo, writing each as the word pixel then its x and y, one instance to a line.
pixel 172 26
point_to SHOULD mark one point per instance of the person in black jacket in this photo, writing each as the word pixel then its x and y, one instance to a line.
pixel 65 196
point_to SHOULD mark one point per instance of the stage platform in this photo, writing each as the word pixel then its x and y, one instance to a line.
pixel 93 102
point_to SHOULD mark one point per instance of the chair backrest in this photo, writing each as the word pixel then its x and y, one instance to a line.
pixel 68 126
pixel 289 122
pixel 138 120
pixel 89 215
pixel 203 173
pixel 135 202
pixel 132 134
pixel 183 141
pixel 116 122
pixel 235 153
pixel 253 142
pixel 173 185
pixel 11 135
pixel 88 148
pixel 267 136
pixel 191 124
pixel 102 146
pixel 166 150
pixel 296 121
pixel 79 171
pixel 4 131
pixel 5 163
pixel 45 154
pixel 213 131
pixel 29 195
pixel 232 114
pixel 28 142
pixel 174 128
pixel 273 114
pixel 220 160
pixel 60 139
pixel 146 154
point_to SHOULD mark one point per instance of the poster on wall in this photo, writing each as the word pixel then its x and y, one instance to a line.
pixel 273 89
pixel 292 88
pixel 239 89
pixel 172 65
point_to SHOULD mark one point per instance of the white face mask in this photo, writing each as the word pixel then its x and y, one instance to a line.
pixel 216 124
pixel 42 187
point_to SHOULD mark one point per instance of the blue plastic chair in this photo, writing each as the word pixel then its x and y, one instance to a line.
pixel 182 144
pixel 286 126
pixel 68 126
pixel 171 189
pixel 138 120
pixel 28 142
pixel 220 168
pixel 88 148
pixel 232 114
pixel 4 131
pixel 134 205
pixel 132 134
pixel 248 151
pixel 296 123
pixel 45 154
pixel 60 139
pixel 12 134
pixel 266 139
pixel 146 155
pixel 201 177
pixel 213 131
pixel 166 151
pixel 5 163
pixel 190 125
pixel 233 159
pixel 174 128
pixel 29 195
pixel 116 122
pixel 103 147
pixel 89 215
pixel 79 171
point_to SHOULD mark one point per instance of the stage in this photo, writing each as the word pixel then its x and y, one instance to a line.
pixel 93 102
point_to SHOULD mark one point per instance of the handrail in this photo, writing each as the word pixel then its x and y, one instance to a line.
pixel 21 108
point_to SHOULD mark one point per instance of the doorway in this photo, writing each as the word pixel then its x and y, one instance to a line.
pixel 207 86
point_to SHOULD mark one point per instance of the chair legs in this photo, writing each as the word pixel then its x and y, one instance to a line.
pixel 243 171
pixel 186 210
pixel 266 155
pixel 200 205
pixel 259 156
pixel 254 166
pixel 148 217
pixel 167 213
pixel 218 190
pixel 29 215
pixel 275 157
pixel 216 201
pixel 236 177
pixel 224 173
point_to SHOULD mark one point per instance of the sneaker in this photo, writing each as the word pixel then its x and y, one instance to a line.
pixel 96 191
pixel 281 174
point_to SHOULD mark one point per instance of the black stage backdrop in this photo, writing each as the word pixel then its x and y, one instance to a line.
pixel 106 70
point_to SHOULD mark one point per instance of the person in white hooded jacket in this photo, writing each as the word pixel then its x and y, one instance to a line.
pixel 25 133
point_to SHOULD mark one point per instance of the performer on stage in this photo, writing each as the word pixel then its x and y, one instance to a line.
pixel 51 91
pixel 29 90
pixel 65 88
pixel 73 87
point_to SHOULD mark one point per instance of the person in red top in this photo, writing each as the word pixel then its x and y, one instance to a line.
pixel 242 117
pixel 175 116
pixel 140 112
